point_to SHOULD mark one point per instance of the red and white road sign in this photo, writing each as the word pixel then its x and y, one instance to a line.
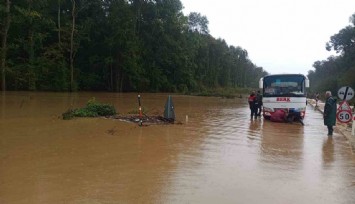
pixel 344 116
pixel 344 105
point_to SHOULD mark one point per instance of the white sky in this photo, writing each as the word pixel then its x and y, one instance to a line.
pixel 282 36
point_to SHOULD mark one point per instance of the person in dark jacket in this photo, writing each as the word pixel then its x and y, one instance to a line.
pixel 330 109
pixel 252 105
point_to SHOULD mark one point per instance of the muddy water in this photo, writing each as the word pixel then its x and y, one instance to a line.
pixel 218 155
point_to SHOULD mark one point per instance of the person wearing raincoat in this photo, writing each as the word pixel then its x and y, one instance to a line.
pixel 330 109
pixel 252 105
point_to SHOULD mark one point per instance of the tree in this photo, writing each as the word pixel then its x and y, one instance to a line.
pixel 73 13
pixel 4 35
pixel 343 42
pixel 59 23
pixel 338 70
pixel 117 45
pixel 198 23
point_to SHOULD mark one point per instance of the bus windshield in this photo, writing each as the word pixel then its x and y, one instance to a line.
pixel 284 85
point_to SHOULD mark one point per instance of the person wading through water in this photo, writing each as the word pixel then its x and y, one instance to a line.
pixel 252 105
pixel 330 109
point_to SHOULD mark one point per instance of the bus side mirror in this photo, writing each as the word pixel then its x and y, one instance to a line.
pixel 307 83
pixel 261 82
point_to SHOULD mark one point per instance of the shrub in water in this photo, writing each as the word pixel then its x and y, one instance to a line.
pixel 100 109
pixel 69 114
pixel 92 109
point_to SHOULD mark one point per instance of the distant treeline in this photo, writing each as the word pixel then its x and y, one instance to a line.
pixel 115 45
pixel 336 71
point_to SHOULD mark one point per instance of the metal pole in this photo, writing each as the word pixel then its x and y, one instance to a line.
pixel 140 110
pixel 353 129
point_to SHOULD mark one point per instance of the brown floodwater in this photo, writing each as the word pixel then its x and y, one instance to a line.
pixel 217 154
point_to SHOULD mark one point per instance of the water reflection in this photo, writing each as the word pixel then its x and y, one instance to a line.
pixel 255 128
pixel 328 151
pixel 3 104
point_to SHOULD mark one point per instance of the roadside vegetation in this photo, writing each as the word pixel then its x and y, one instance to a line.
pixel 92 109
pixel 225 92
pixel 336 71
pixel 118 46
pixel 137 46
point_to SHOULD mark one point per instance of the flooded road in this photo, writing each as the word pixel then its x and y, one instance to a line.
pixel 218 155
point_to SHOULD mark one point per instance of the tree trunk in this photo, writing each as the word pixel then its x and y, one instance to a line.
pixel 245 78
pixel 32 75
pixel 59 26
pixel 117 84
pixel 72 48
pixel 31 52
pixel 111 69
pixel 4 45
pixel 111 74
pixel 138 7
pixel 121 84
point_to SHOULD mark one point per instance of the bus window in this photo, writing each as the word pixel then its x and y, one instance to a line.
pixel 284 85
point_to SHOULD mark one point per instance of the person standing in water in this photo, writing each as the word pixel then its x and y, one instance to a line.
pixel 330 109
pixel 252 105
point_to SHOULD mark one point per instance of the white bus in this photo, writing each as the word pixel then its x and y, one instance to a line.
pixel 284 91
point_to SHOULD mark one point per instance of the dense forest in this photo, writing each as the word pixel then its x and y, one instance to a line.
pixel 336 71
pixel 115 45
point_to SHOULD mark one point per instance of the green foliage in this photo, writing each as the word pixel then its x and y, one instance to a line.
pixel 225 92
pixel 120 46
pixel 183 88
pixel 92 109
pixel 198 23
pixel 100 109
pixel 336 71
pixel 69 114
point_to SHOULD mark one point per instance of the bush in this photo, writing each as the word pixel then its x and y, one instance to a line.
pixel 69 114
pixel 92 109
pixel 99 109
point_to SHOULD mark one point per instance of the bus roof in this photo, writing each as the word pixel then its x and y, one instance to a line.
pixel 273 75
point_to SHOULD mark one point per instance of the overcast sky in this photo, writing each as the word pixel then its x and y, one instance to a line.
pixel 282 36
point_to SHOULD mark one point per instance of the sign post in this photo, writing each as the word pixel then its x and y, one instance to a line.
pixel 344 114
pixel 345 93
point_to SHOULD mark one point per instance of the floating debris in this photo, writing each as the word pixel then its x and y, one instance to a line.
pixel 145 119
